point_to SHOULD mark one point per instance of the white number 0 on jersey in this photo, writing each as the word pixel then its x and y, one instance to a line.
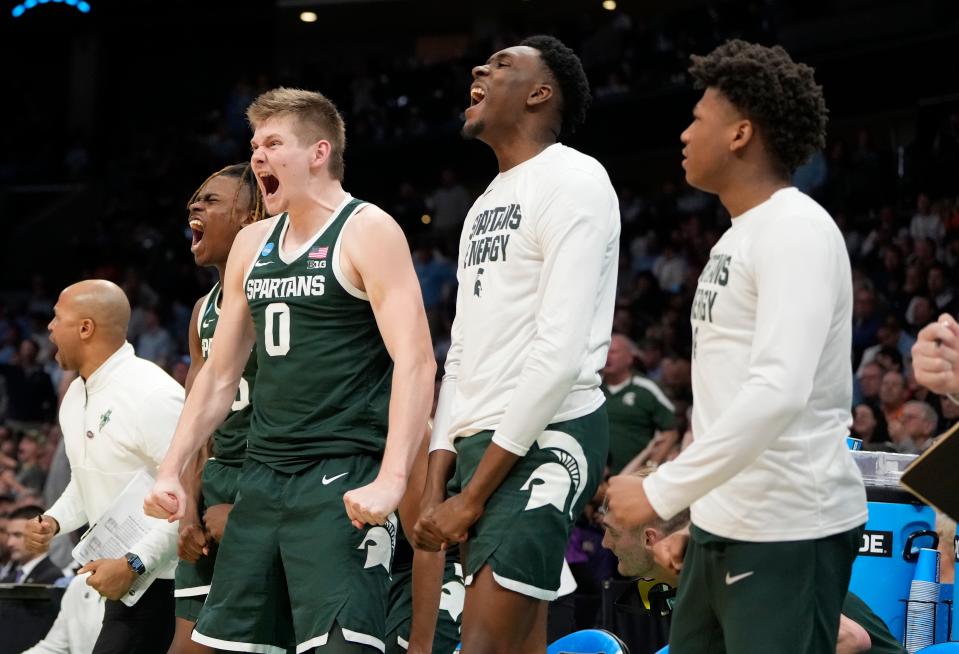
pixel 277 342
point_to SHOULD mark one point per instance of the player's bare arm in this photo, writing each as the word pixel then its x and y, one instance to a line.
pixel 376 258
pixel 215 386
pixel 427 566
pixel 441 465
pixel 193 540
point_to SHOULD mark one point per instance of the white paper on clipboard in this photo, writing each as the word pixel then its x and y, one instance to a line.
pixel 118 530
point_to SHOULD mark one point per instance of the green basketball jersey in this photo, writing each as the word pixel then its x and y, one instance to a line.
pixel 323 383
pixel 229 441
pixel 637 409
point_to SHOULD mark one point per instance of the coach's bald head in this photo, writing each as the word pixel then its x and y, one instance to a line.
pixel 89 324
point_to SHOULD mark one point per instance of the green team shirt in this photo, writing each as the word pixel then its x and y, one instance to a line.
pixel 323 381
pixel 636 409
pixel 229 441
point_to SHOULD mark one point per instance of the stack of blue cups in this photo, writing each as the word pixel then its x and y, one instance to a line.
pixel 923 599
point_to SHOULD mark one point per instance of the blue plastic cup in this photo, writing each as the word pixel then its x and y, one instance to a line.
pixel 854 443
pixel 927 567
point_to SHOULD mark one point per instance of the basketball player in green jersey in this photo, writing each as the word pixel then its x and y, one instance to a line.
pixel 326 292
pixel 228 200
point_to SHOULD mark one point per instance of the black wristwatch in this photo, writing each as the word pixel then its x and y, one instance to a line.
pixel 135 563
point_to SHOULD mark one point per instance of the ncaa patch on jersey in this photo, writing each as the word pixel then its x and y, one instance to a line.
pixel 266 250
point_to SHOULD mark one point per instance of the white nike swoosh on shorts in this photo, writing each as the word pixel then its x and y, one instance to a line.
pixel 329 480
pixel 732 580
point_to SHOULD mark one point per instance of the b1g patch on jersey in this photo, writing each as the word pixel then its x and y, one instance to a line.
pixel 876 543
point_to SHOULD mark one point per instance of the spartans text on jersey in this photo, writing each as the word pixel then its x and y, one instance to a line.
pixel 283 287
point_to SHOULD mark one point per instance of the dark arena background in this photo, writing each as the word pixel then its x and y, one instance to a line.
pixel 114 111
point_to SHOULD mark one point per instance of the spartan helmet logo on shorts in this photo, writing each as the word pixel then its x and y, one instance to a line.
pixel 558 483
pixel 379 543
pixel 454 594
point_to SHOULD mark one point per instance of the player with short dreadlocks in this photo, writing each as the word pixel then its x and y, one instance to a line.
pixel 777 502
pixel 224 203
pixel 520 411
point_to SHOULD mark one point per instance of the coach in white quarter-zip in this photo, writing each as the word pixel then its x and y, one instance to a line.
pixel 117 419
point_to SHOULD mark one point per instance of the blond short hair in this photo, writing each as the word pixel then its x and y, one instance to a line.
pixel 316 118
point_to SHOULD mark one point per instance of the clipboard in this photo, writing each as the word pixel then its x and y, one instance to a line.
pixel 932 476
pixel 118 530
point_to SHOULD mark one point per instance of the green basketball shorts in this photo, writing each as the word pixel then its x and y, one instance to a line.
pixel 448 620
pixel 192 582
pixel 525 526
pixel 779 597
pixel 291 564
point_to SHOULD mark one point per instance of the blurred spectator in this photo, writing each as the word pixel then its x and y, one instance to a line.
pixel 925 223
pixel 889 358
pixel 949 413
pixel 32 399
pixel 868 381
pixel 865 321
pixel 27 568
pixel 10 345
pixel 630 205
pixel 676 379
pixel 892 396
pixel 30 475
pixel 651 358
pixel 810 177
pixel 916 428
pixel 637 409
pixel 869 425
pixel 670 269
pixel 923 254
pixel 409 208
pixel 449 204
pixel 155 343
pixel 180 370
pixel 889 335
pixel 943 294
pixel 5 562
pixel 919 313
pixel 437 277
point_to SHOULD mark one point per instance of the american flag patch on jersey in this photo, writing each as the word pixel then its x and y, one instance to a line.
pixel 318 252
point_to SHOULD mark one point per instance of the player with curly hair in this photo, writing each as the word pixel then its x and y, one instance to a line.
pixel 221 206
pixel 777 503
pixel 520 413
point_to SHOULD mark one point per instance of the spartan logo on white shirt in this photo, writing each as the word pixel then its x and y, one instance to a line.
pixel 379 543
pixel 454 594
pixel 558 483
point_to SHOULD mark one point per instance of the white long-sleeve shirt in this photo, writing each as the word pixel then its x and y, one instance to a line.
pixel 116 423
pixel 772 383
pixel 77 626
pixel 537 284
